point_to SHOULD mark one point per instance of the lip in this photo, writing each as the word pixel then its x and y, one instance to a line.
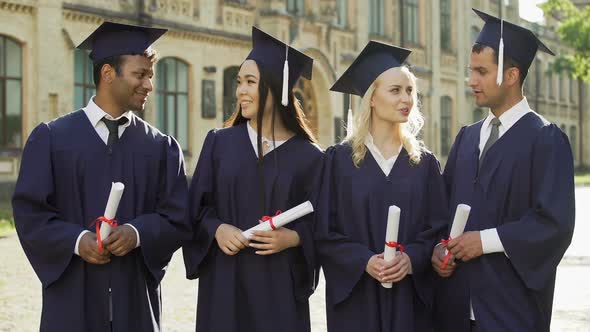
pixel 245 103
pixel 404 111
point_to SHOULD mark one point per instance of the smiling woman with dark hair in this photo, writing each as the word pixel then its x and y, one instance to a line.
pixel 265 160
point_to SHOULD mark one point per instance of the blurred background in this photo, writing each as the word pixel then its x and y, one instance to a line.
pixel 43 76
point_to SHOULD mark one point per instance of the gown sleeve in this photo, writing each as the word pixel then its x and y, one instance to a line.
pixel 48 240
pixel 343 260
pixel 163 231
pixel 536 242
pixel 202 213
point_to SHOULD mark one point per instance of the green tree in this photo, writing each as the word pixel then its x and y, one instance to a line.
pixel 573 31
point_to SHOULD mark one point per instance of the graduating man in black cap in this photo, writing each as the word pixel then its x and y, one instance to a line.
pixel 515 170
pixel 67 169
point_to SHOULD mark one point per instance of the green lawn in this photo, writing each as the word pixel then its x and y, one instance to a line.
pixel 582 179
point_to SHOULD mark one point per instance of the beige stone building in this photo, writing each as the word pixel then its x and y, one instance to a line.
pixel 43 76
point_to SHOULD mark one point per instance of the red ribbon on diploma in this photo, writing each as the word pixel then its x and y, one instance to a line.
pixel 445 243
pixel 97 222
pixel 393 244
pixel 269 219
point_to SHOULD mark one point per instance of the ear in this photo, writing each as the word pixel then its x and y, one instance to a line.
pixel 107 73
pixel 372 102
pixel 511 76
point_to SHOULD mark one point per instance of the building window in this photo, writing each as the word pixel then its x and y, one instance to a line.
pixel 474 34
pixel 296 7
pixel 83 79
pixel 410 18
pixel 342 9
pixel 172 99
pixel 573 141
pixel 571 90
pixel 377 10
pixel 10 93
pixel 445 25
pixel 561 93
pixel 445 124
pixel 478 114
pixel 550 90
pixel 230 84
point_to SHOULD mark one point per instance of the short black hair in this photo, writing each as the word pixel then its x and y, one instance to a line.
pixel 113 61
pixel 508 61
pixel 117 62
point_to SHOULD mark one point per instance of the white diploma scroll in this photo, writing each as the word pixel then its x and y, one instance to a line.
pixel 458 227
pixel 391 236
pixel 281 219
pixel 111 209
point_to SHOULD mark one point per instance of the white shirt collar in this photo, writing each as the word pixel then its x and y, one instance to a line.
pixel 95 114
pixel 385 164
pixel 254 137
pixel 510 117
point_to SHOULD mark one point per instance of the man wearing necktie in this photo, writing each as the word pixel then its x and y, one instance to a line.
pixel 67 169
pixel 515 170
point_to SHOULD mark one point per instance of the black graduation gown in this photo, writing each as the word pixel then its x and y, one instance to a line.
pixel 63 185
pixel 352 221
pixel 525 189
pixel 248 292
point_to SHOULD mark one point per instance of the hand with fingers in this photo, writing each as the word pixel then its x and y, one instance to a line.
pixel 375 266
pixel 230 239
pixel 88 250
pixel 396 269
pixel 467 246
pixel 438 257
pixel 121 241
pixel 272 242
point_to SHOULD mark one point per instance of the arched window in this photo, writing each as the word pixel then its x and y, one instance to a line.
pixel 446 104
pixel 230 84
pixel 376 23
pixel 83 78
pixel 11 103
pixel 445 25
pixel 574 141
pixel 172 99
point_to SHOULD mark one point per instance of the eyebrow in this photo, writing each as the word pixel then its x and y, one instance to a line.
pixel 248 76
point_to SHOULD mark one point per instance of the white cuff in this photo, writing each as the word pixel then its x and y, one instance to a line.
pixel 136 233
pixel 76 249
pixel 490 241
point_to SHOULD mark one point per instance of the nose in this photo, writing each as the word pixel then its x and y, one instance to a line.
pixel 240 90
pixel 472 81
pixel 148 85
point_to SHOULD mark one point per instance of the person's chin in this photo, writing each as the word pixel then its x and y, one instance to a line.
pixel 248 114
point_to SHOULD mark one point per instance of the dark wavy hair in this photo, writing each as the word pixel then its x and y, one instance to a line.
pixel 292 115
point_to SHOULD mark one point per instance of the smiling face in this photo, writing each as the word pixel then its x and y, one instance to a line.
pixel 393 98
pixel 132 86
pixel 248 90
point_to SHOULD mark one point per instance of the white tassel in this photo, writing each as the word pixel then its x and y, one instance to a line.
pixel 500 77
pixel 285 96
pixel 349 124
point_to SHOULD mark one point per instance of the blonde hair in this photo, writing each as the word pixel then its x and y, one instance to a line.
pixel 408 131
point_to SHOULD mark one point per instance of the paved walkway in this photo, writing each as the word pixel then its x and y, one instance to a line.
pixel 20 290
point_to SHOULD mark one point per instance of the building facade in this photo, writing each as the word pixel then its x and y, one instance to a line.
pixel 43 75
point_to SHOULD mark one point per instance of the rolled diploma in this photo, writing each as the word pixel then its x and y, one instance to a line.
pixel 461 216
pixel 391 233
pixel 281 219
pixel 111 209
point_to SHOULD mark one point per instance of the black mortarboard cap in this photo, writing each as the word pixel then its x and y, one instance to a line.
pixel 113 39
pixel 373 60
pixel 271 54
pixel 520 43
